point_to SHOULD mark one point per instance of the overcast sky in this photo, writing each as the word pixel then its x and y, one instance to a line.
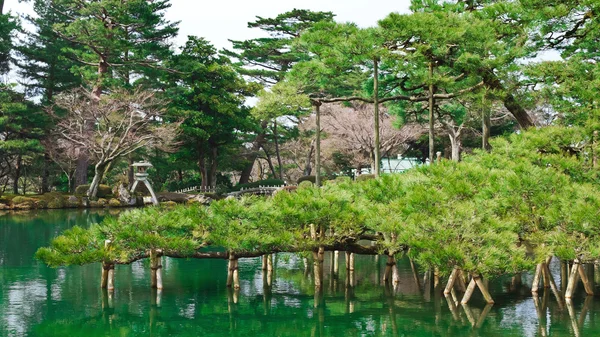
pixel 220 20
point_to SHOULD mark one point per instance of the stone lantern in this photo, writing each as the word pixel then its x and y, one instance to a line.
pixel 142 176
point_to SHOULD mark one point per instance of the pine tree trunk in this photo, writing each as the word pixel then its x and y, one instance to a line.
pixel 510 103
pixel 376 155
pixel 431 120
pixel 17 174
pixel 202 167
pixel 270 162
pixel 213 167
pixel 455 144
pixel 308 167
pixel 317 106
pixel 277 153
pixel 486 129
pixel 45 188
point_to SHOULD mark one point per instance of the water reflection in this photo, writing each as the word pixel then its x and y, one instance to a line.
pixel 354 300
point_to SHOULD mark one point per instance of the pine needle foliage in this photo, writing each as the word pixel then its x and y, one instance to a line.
pixel 500 212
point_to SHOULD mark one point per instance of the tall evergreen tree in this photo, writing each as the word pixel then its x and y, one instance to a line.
pixel 21 127
pixel 44 66
pixel 267 60
pixel 209 94
pixel 117 42
pixel 7 27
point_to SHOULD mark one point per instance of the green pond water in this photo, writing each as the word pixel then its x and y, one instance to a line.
pixel 39 301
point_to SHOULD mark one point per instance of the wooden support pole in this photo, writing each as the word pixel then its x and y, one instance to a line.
pixel 264 262
pixel 336 263
pixel 111 278
pixel 387 274
pixel 155 269
pixel 564 275
pixel 483 288
pixel 236 275
pixel 589 288
pixel 469 291
pixel 453 276
pixel 395 276
pixel 230 267
pixel 535 286
pixel 436 278
pixel 105 268
pixel 350 265
pixel 270 263
pixel 573 278
pixel 553 286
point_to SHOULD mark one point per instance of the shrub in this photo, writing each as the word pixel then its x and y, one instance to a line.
pixel 266 182
pixel 305 184
pixel 103 190
pixel 364 177
pixel 312 179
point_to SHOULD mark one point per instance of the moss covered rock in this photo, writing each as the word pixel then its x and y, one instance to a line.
pixel 103 190
pixel 21 202
pixel 73 202
pixel 114 203
pixel 364 177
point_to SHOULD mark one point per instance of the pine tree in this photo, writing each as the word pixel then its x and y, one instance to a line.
pixel 209 94
pixel 266 61
pixel 44 66
pixel 7 27
pixel 117 42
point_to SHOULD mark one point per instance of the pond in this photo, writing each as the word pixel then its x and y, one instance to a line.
pixel 39 301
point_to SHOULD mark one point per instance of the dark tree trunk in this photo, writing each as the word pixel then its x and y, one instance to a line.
pixel 256 146
pixel 213 167
pixel 130 173
pixel 510 102
pixel 1 7
pixel 486 130
pixel 45 188
pixel 81 171
pixel 270 162
pixel 17 175
pixel 202 167
pixel 308 166
pixel 431 119
pixel 276 137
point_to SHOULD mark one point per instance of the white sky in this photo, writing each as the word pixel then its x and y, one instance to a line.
pixel 220 20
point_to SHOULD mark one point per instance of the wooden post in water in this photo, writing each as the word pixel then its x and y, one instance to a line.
pixel 589 287
pixel 536 278
pixel 391 262
pixel 573 278
pixel 236 275
pixel 477 282
pixel 452 280
pixel 155 269
pixel 107 280
pixel 336 264
pixel 230 267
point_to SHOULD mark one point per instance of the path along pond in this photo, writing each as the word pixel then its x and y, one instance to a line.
pixel 39 301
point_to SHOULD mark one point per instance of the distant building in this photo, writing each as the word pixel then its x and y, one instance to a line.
pixel 392 165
